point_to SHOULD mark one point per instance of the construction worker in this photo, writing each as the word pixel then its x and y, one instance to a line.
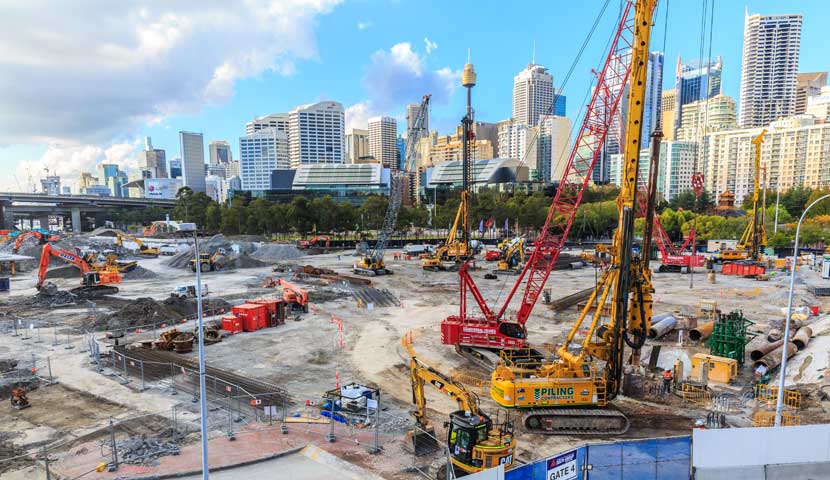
pixel 668 377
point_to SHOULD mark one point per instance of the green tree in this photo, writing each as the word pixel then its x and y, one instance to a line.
pixel 821 208
pixel 300 216
pixel 214 218
pixel 795 199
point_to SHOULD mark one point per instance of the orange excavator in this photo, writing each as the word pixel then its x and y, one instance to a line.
pixel 294 296
pixel 93 283
pixel 33 234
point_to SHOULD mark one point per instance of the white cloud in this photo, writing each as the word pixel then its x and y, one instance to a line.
pixel 430 45
pixel 73 74
pixel 364 24
pixel 358 115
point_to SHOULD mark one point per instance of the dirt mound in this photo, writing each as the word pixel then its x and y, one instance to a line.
pixel 66 271
pixel 143 311
pixel 238 254
pixel 188 306
pixel 138 273
pixel 270 252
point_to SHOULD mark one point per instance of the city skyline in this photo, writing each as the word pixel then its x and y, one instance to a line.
pixel 419 56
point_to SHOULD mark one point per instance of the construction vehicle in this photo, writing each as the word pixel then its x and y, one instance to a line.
pixel 454 249
pixel 490 328
pixel 319 241
pixel 513 257
pixel 187 291
pixel 372 262
pixel 143 249
pixel 754 237
pixel 20 398
pixel 209 262
pixel 556 391
pixel 111 264
pixel 93 283
pixel 41 237
pixel 294 296
pixel 474 441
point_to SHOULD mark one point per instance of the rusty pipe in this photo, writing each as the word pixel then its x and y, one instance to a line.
pixel 774 335
pixel 759 352
pixel 773 358
pixel 802 338
pixel 664 326
pixel 701 332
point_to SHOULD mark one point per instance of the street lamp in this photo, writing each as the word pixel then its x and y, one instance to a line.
pixel 784 350
pixel 200 334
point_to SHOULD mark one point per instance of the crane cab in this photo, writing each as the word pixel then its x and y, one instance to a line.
pixel 475 445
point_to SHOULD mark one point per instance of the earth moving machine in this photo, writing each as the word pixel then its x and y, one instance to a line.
pixel 490 328
pixel 41 237
pixel 208 262
pixel 294 296
pixel 110 264
pixel 372 262
pixel 474 441
pixel 20 398
pixel 754 238
pixel 453 249
pixel 93 283
pixel 142 248
pixel 559 392
pixel 318 242
pixel 513 258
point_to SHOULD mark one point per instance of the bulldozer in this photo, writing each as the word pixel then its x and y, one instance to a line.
pixel 209 262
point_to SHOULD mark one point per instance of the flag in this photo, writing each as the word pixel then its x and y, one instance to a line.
pixel 506 226
pixel 489 223
pixel 481 226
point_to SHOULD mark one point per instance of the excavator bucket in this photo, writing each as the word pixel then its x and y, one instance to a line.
pixel 422 441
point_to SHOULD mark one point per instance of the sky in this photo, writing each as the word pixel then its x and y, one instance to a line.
pixel 82 83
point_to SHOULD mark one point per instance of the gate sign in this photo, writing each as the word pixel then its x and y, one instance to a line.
pixel 562 467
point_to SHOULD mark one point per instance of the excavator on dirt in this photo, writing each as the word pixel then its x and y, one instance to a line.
pixel 513 257
pixel 93 283
pixel 41 238
pixel 143 249
pixel 475 442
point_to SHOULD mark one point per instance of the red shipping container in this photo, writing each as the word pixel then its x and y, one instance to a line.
pixel 232 324
pixel 252 315
pixel 271 310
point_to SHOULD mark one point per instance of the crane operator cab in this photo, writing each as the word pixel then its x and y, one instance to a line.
pixel 475 445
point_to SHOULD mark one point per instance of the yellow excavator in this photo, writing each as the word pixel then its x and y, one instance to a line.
pixel 754 238
pixel 454 249
pixel 565 392
pixel 512 259
pixel 143 249
pixel 475 443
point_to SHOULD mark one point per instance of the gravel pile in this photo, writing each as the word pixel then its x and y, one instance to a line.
pixel 138 273
pixel 271 252
pixel 144 311
pixel 144 450
pixel 239 253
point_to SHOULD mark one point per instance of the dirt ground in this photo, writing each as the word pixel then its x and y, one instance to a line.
pixel 305 356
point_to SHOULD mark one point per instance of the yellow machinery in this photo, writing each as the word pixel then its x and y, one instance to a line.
pixel 475 443
pixel 111 264
pixel 142 248
pixel 588 373
pixel 512 258
pixel 754 238
pixel 454 249
pixel 208 262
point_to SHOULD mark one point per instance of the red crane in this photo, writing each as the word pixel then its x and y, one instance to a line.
pixel 491 329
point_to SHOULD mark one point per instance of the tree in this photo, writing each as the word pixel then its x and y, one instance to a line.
pixel 795 199
pixel 300 216
pixel 213 222
pixel 183 203
pixel 821 208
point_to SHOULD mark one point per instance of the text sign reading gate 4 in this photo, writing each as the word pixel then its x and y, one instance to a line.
pixel 562 467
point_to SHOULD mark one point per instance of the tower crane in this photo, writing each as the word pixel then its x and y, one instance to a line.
pixel 588 373
pixel 491 329
pixel 372 263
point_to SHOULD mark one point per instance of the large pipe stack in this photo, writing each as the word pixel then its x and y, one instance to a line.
pixel 759 352
pixel 773 358
pixel 802 338
pixel 661 325
pixel 701 332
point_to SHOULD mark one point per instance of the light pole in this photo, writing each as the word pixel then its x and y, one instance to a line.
pixel 784 350
pixel 200 334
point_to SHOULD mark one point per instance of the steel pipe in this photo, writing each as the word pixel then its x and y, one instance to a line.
pixel 664 326
pixel 773 358
pixel 701 332
pixel 802 338
pixel 774 335
pixel 759 352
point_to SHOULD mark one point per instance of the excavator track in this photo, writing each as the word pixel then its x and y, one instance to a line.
pixel 575 421
pixel 95 292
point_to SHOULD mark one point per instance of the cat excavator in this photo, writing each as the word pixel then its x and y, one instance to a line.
pixel 513 257
pixel 93 283
pixel 454 249
pixel 474 441
pixel 567 391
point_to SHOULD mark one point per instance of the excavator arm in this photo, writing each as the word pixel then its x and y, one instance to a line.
pixel 25 235
pixel 46 256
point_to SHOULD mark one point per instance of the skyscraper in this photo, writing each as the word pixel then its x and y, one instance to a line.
pixel 260 153
pixel 274 120
pixel 532 94
pixel 153 160
pixel 770 68
pixel 654 93
pixel 220 152
pixel 667 113
pixel 316 133
pixel 554 135
pixel 808 85
pixel 382 146
pixel 357 145
pixel 192 148
pixel 520 141
pixel 693 81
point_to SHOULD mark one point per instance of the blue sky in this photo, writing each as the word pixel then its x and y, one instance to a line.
pixel 341 52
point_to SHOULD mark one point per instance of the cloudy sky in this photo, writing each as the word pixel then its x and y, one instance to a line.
pixel 83 82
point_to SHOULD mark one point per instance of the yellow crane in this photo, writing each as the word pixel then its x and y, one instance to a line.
pixel 589 373
pixel 454 249
pixel 475 443
pixel 142 248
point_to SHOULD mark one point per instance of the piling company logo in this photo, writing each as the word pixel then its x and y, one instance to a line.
pixel 485 331
pixel 558 393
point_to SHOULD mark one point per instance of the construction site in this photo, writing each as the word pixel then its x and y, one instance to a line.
pixel 385 358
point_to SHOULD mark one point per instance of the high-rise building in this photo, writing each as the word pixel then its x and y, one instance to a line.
pixel 674 172
pixel 260 153
pixel 116 183
pixel 107 171
pixel 176 168
pixel 706 116
pixel 153 160
pixel 554 136
pixel 216 188
pixel 532 94
pixel 560 103
pixel 357 145
pixel 316 133
pixel 696 80
pixel 654 95
pixel 220 152
pixel 382 146
pixel 85 180
pixel 274 120
pixel 819 105
pixel 445 148
pixel 795 152
pixel 667 114
pixel 411 116
pixel 192 148
pixel 808 85
pixel 51 185
pixel 521 142
pixel 769 69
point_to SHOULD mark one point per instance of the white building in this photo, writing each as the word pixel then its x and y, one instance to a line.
pixel 274 120
pixel 192 147
pixel 216 188
pixel 819 105
pixel 674 172
pixel 357 145
pixel 316 133
pixel 259 154
pixel 532 94
pixel 769 68
pixel 382 145
pixel 554 143
pixel 220 152
pixel 520 141
pixel 654 94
